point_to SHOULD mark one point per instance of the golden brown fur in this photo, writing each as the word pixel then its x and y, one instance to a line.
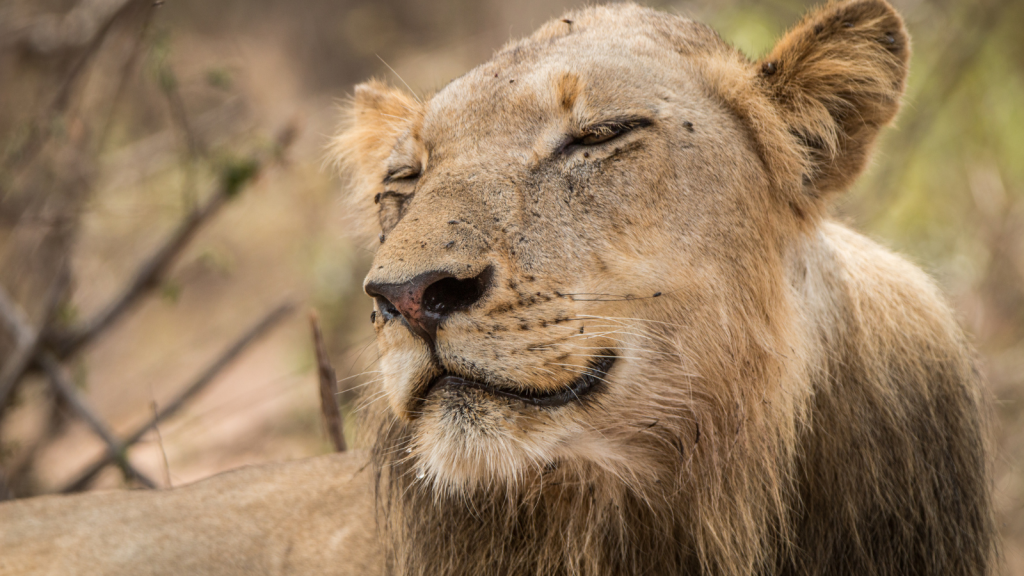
pixel 304 517
pixel 786 397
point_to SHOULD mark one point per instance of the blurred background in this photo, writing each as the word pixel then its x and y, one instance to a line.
pixel 168 216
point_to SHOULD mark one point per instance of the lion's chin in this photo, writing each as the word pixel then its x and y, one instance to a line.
pixel 469 432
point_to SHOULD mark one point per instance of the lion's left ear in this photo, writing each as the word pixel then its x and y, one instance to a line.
pixel 836 79
pixel 375 118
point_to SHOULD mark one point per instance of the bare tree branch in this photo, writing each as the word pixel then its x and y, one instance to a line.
pixel 75 29
pixel 40 131
pixel 26 336
pixel 160 442
pixel 146 277
pixel 328 388
pixel 115 449
pixel 15 320
pixel 28 339
pixel 233 178
pixel 127 69
pixel 207 376
pixel 179 115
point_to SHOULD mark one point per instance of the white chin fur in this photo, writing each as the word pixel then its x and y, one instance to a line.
pixel 501 446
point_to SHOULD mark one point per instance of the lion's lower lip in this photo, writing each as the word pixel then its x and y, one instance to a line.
pixel 578 391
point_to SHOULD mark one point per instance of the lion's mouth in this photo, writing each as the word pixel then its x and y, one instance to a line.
pixel 581 389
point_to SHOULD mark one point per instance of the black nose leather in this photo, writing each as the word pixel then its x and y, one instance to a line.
pixel 429 298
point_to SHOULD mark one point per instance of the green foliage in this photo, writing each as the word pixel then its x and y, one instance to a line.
pixel 219 78
pixel 66 315
pixel 159 56
pixel 236 173
pixel 170 291
pixel 751 29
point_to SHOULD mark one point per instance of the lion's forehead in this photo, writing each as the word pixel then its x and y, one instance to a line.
pixel 523 89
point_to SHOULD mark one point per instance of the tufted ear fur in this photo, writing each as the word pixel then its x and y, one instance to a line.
pixel 836 79
pixel 375 118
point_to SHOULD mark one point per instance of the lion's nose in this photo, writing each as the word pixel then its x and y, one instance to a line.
pixel 429 298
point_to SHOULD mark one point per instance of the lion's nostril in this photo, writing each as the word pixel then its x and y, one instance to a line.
pixel 387 309
pixel 429 298
pixel 449 295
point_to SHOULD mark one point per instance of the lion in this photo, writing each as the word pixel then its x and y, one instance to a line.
pixel 619 333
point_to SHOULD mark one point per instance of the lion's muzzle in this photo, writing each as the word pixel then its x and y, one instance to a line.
pixel 427 299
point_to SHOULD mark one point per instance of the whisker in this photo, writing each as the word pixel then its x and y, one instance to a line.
pixel 409 88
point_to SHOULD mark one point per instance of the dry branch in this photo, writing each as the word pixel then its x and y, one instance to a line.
pixel 179 115
pixel 328 388
pixel 40 130
pixel 115 449
pixel 160 442
pixel 207 376
pixel 148 276
pixel 75 29
pixel 127 69
pixel 26 340
pixel 15 320
pixel 27 337
pixel 80 35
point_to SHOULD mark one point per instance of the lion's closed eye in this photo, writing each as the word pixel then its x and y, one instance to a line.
pixel 402 173
pixel 603 132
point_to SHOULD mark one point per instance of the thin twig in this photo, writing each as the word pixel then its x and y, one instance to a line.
pixel 328 388
pixel 5 490
pixel 58 33
pixel 152 270
pixel 160 442
pixel 207 376
pixel 146 277
pixel 40 130
pixel 179 115
pixel 63 386
pixel 27 338
pixel 126 72
pixel 15 367
pixel 15 320
pixel 194 147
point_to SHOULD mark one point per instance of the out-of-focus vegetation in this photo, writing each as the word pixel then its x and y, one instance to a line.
pixel 118 118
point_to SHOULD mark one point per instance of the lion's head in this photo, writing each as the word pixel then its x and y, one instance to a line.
pixel 604 286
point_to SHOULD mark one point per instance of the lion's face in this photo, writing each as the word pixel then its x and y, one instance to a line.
pixel 572 236
pixel 554 206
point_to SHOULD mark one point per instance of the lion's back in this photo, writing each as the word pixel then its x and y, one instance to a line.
pixel 309 516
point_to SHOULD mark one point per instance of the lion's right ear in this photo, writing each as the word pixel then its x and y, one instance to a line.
pixel 375 118
pixel 835 80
